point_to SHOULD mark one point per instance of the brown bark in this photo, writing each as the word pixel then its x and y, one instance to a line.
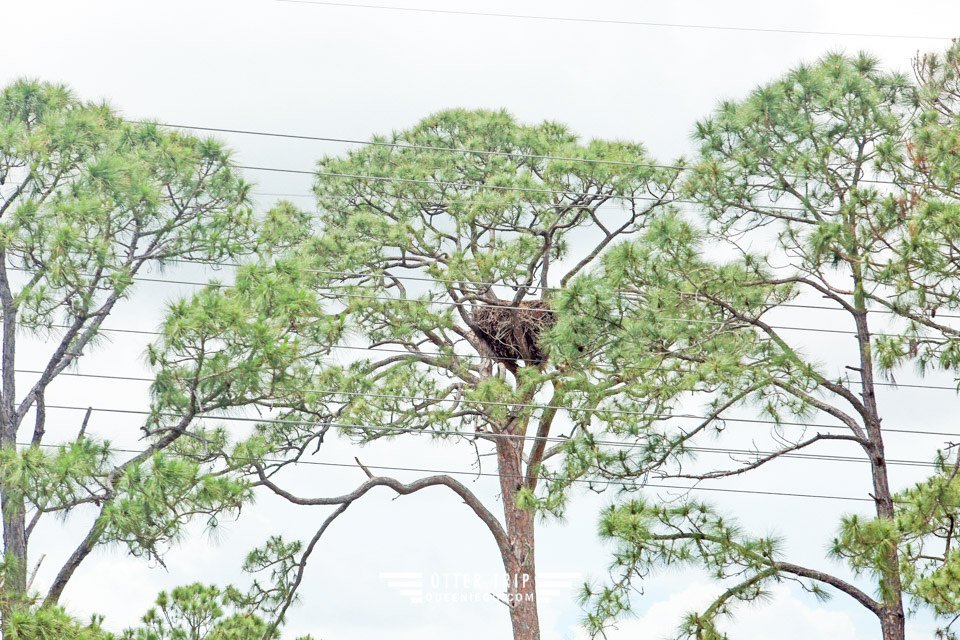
pixel 892 615
pixel 14 545
pixel 518 557
pixel 12 507
pixel 893 624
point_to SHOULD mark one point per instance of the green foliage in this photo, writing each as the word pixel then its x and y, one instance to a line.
pixel 199 612
pixel 88 202
pixel 413 241
pixel 502 211
pixel 820 186
pixel 154 501
pixel 934 153
pixel 650 536
pixel 207 612
pixel 448 207
pixel 926 517
pixel 94 199
pixel 51 623
pixel 190 612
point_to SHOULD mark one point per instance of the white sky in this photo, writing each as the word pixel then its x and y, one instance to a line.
pixel 349 72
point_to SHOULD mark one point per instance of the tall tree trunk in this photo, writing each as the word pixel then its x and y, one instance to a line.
pixel 14 544
pixel 14 519
pixel 518 559
pixel 892 618
pixel 12 507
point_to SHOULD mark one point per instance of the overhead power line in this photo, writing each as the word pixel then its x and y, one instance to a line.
pixel 414 147
pixel 633 23
pixel 566 193
pixel 451 303
pixel 785 494
pixel 408 278
pixel 428 203
pixel 460 150
pixel 599 482
pixel 462 185
pixel 473 283
pixel 368 274
pixel 495 187
pixel 527 405
pixel 386 431
pixel 895 385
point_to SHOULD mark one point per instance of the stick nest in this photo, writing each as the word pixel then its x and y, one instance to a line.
pixel 513 334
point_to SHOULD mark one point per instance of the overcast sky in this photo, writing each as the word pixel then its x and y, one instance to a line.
pixel 353 72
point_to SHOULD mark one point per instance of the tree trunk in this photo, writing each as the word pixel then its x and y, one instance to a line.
pixel 14 550
pixel 518 559
pixel 893 624
pixel 892 618
pixel 14 544
pixel 12 508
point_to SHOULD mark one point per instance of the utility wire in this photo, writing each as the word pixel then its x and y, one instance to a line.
pixel 525 405
pixel 463 150
pixel 414 147
pixel 495 187
pixel 386 431
pixel 504 203
pixel 447 183
pixel 637 23
pixel 370 274
pixel 895 385
pixel 473 283
pixel 461 305
pixel 450 303
pixel 601 482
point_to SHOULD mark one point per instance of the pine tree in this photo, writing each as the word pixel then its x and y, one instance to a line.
pixel 444 246
pixel 835 185
pixel 88 202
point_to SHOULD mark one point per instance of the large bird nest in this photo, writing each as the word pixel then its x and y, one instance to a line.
pixel 511 332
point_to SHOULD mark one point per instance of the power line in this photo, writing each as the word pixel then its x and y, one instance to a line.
pixel 638 23
pixel 525 405
pixel 434 202
pixel 895 385
pixel 414 147
pixel 409 430
pixel 531 287
pixel 459 185
pixel 368 274
pixel 451 303
pixel 462 150
pixel 487 203
pixel 494 187
pixel 599 482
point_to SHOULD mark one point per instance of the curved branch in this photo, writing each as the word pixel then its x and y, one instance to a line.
pixel 825 407
pixel 301 569
pixel 834 582
pixel 759 462
pixel 471 500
